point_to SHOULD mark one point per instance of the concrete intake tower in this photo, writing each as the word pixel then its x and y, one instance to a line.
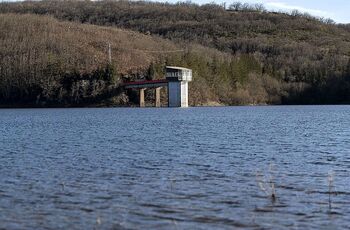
pixel 176 79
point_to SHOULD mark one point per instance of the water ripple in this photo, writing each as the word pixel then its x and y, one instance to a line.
pixel 200 168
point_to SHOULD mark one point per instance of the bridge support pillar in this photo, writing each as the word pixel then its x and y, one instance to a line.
pixel 157 93
pixel 142 98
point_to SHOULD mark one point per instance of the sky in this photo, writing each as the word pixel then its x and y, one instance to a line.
pixel 338 10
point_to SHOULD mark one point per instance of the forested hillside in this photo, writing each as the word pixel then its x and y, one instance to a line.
pixel 240 54
pixel 45 62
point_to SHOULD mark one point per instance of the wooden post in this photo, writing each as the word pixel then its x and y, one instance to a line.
pixel 109 53
pixel 157 97
pixel 142 98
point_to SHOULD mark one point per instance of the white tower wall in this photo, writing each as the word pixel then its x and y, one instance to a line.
pixel 178 79
pixel 184 94
pixel 174 94
pixel 178 94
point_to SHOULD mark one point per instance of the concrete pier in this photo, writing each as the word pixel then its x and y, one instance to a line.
pixel 142 97
pixel 157 94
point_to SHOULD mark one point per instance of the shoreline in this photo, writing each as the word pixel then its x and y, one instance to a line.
pixel 162 107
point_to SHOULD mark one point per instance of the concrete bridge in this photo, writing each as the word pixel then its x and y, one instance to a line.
pixel 176 80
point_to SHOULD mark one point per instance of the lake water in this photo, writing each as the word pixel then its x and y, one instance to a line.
pixel 197 168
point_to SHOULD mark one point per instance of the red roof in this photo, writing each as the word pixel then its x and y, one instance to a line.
pixel 145 82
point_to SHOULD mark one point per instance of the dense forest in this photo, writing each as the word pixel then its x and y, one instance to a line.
pixel 240 54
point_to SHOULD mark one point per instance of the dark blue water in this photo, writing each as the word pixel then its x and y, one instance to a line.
pixel 199 168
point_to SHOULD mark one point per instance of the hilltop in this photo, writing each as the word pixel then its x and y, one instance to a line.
pixel 240 55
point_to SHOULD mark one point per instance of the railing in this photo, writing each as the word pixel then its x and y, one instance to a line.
pixel 184 76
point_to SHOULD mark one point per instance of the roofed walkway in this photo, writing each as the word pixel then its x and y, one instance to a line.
pixel 143 85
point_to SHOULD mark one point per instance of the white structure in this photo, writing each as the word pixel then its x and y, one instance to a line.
pixel 178 79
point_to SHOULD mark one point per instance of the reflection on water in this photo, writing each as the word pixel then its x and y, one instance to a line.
pixel 199 168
